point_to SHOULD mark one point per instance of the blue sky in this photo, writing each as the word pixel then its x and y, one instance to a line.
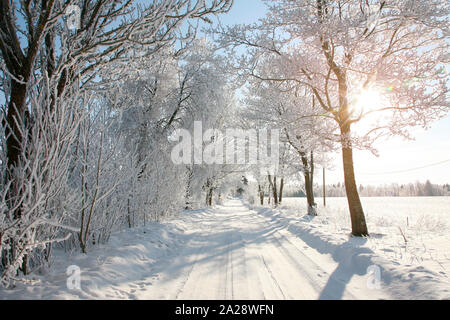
pixel 430 146
pixel 396 154
pixel 244 11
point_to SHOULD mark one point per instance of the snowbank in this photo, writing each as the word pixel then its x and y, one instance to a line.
pixel 130 260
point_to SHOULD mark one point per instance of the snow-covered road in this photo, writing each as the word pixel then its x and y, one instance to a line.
pixel 236 253
pixel 229 252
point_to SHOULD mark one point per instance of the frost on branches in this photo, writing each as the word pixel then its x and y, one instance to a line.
pixel 348 55
pixel 72 168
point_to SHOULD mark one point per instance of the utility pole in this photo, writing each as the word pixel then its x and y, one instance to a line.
pixel 323 190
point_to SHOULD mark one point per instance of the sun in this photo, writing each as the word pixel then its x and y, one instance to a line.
pixel 370 107
pixel 368 100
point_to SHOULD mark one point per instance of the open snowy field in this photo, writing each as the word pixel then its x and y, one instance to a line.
pixel 424 222
pixel 422 213
pixel 238 251
pixel 412 233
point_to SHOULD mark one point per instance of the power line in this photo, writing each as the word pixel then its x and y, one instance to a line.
pixel 407 170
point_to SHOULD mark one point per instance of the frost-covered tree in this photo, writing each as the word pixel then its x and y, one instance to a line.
pixel 209 101
pixel 275 104
pixel 375 67
pixel 64 157
pixel 44 44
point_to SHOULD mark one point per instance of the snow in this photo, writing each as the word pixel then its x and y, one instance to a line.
pixel 417 269
pixel 238 251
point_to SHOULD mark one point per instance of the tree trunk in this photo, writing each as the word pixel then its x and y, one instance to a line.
pixel 187 194
pixel 129 213
pixel 359 227
pixel 15 116
pixel 280 196
pixel 16 110
pixel 261 194
pixel 307 173
pixel 210 195
pixel 310 195
pixel 275 191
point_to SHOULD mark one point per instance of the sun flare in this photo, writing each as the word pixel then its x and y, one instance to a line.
pixel 368 100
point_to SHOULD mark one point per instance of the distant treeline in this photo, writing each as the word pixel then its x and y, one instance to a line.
pixel 417 189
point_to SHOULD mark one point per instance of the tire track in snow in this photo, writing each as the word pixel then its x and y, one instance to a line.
pixel 209 276
pixel 229 270
pixel 277 285
pixel 187 278
pixel 204 228
pixel 237 254
pixel 239 269
pixel 222 270
pixel 305 265
pixel 308 264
